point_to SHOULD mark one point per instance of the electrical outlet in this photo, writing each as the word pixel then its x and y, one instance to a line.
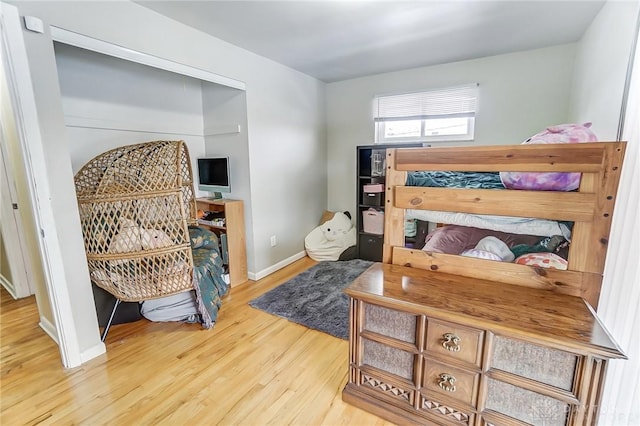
pixel 273 241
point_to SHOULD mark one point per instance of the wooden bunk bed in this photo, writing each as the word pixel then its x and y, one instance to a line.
pixel 445 339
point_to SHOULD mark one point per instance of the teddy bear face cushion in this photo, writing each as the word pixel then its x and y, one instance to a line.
pixel 337 227
pixel 564 133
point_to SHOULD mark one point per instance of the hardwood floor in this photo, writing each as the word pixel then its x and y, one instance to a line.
pixel 252 368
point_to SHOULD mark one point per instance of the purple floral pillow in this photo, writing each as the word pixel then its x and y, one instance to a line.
pixel 551 181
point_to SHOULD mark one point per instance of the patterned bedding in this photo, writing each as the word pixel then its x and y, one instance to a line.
pixel 208 270
pixel 454 239
pixel 479 180
pixel 444 179
pixel 468 234
pixel 203 303
pixel 513 225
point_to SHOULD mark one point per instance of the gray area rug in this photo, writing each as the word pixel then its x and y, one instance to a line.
pixel 315 298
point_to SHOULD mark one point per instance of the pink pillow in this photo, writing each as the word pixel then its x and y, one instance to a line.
pixel 543 260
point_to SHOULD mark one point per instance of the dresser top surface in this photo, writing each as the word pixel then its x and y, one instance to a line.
pixel 533 314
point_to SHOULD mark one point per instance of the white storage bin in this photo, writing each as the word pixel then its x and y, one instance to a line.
pixel 373 221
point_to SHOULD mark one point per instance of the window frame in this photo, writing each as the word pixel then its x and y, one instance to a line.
pixel 450 102
pixel 381 139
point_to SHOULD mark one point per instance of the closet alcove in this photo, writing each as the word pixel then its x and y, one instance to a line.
pixel 109 102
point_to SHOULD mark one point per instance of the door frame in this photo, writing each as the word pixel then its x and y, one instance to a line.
pixel 23 101
pixel 21 280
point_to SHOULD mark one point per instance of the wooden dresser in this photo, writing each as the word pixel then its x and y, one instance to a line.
pixel 484 354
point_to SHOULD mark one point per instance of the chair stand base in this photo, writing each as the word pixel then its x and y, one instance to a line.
pixel 108 326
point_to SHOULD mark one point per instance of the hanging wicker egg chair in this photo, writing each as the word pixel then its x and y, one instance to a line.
pixel 136 203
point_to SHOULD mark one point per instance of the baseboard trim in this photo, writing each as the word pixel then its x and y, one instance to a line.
pixel 8 286
pixel 50 329
pixel 93 352
pixel 271 269
pixel 85 355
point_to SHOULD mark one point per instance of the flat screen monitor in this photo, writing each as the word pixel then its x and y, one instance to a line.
pixel 213 175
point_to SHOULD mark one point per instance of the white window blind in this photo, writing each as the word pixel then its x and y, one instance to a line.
pixel 459 101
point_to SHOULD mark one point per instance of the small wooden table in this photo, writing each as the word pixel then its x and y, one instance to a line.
pixel 234 232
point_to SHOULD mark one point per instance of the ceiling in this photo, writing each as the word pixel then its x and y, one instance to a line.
pixel 338 40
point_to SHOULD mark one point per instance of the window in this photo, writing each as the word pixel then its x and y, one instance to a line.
pixel 437 115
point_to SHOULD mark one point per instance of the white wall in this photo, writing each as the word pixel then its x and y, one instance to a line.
pixel 288 164
pixel 601 65
pixel 225 111
pixel 287 161
pixel 108 102
pixel 285 111
pixel 519 95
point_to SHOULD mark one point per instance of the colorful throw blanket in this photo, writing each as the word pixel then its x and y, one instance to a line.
pixel 208 269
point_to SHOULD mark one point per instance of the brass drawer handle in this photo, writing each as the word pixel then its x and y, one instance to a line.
pixel 451 342
pixel 446 381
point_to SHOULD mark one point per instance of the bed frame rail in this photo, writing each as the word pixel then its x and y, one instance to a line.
pixel 590 208
pixel 573 206
pixel 589 157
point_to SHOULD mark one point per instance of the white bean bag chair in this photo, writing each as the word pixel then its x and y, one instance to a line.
pixel 329 240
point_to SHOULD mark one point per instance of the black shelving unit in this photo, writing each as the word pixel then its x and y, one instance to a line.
pixel 368 245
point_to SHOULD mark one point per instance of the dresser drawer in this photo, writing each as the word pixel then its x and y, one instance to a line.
pixel 445 413
pixel 525 405
pixel 402 394
pixel 455 341
pixel 546 365
pixel 388 358
pixel 451 382
pixel 493 419
pixel 390 322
